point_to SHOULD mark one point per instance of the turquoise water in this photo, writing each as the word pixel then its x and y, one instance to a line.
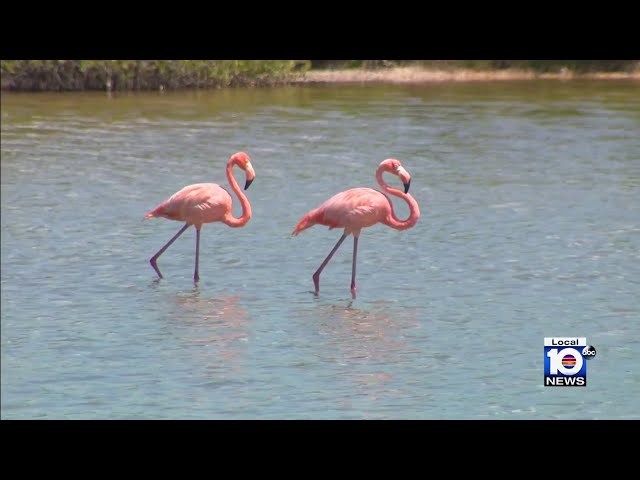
pixel 530 227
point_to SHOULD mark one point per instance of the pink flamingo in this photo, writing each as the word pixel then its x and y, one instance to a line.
pixel 358 208
pixel 205 203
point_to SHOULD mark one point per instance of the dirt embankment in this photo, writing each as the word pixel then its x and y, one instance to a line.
pixel 420 75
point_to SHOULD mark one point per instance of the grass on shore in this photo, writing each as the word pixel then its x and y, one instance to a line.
pixel 73 75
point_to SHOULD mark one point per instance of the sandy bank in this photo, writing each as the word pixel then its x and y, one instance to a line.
pixel 419 75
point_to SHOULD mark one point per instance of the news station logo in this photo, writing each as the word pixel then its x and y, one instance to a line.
pixel 565 361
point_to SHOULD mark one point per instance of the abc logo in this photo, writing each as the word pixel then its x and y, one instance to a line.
pixel 589 352
pixel 567 361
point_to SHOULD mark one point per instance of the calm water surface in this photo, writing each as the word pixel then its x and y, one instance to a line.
pixel 530 227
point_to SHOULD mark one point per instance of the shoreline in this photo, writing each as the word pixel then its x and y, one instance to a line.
pixel 421 75
pixel 121 76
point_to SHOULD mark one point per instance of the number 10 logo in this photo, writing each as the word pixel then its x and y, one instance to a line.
pixel 568 361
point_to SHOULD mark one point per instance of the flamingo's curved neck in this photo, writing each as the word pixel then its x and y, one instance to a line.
pixel 414 211
pixel 244 202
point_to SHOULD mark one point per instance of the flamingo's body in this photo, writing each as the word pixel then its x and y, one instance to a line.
pixel 195 204
pixel 205 203
pixel 359 208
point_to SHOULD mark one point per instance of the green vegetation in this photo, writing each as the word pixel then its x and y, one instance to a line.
pixel 60 75
pixel 73 75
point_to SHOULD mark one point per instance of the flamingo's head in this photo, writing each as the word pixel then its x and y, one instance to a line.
pixel 243 161
pixel 394 166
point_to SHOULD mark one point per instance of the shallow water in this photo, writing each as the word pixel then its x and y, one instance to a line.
pixel 530 227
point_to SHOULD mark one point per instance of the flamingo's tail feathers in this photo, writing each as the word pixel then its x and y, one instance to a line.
pixel 309 220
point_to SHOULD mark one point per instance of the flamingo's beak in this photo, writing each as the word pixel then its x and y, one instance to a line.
pixel 404 176
pixel 251 174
